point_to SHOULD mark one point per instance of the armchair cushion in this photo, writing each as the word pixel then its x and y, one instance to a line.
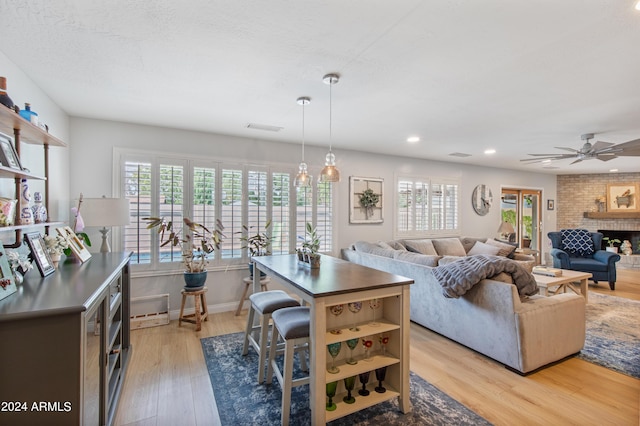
pixel 577 242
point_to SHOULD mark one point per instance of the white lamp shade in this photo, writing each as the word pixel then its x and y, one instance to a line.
pixel 105 212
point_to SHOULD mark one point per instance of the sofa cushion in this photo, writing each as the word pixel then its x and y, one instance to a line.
pixel 469 242
pixel 449 247
pixel 424 246
pixel 394 244
pixel 577 242
pixel 421 259
pixel 482 248
pixel 367 247
pixel 506 250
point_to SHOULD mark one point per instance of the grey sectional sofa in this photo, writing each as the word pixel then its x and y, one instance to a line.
pixel 490 318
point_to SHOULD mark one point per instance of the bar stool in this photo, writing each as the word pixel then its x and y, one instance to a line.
pixel 292 324
pixel 200 305
pixel 265 303
pixel 248 281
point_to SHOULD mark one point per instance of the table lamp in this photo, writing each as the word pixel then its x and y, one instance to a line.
pixel 105 212
pixel 505 230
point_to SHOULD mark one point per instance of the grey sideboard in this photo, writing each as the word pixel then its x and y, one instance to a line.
pixel 65 344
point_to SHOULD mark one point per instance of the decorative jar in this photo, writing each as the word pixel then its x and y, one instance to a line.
pixel 626 248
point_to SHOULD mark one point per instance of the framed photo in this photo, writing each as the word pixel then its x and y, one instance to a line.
pixel 39 253
pixel 8 156
pixel 76 245
pixel 365 200
pixel 7 284
pixel 622 197
pixel 550 204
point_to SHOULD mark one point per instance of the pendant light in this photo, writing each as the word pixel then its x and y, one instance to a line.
pixel 302 179
pixel 330 173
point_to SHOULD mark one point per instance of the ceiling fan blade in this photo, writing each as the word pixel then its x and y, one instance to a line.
pixel 601 146
pixel 633 145
pixel 606 157
pixel 577 161
pixel 565 148
pixel 548 157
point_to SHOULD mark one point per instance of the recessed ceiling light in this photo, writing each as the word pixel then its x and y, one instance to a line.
pixel 613 170
pixel 490 151
pixel 638 5
pixel 413 139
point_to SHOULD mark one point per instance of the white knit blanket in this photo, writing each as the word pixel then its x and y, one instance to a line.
pixel 458 277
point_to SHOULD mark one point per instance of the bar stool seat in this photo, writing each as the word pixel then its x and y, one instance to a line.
pixel 292 324
pixel 265 303
pixel 248 281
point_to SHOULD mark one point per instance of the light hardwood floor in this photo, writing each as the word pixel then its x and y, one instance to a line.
pixel 167 382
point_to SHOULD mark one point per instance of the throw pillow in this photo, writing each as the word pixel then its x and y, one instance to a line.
pixel 420 259
pixel 449 247
pixel 468 242
pixel 384 245
pixel 577 241
pixel 482 248
pixel 506 250
pixel 396 245
pixel 366 247
pixel 420 246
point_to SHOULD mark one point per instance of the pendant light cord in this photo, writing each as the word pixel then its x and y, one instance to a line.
pixel 303 132
pixel 330 117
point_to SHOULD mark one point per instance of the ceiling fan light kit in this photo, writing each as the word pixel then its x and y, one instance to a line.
pixel 603 151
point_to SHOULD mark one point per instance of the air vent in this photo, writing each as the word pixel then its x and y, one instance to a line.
pixel 459 154
pixel 265 127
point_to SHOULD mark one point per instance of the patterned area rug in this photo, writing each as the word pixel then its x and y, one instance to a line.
pixel 613 334
pixel 241 400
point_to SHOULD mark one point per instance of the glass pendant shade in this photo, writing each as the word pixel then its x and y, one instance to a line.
pixel 302 179
pixel 330 172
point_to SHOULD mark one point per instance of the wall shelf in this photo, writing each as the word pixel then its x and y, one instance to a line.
pixel 29 133
pixel 612 215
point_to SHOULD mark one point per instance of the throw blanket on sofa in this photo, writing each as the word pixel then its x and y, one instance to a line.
pixel 458 277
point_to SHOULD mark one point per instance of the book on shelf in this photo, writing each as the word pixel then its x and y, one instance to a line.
pixel 548 271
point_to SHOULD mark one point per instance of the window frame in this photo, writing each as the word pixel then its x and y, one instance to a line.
pixel 429 231
pixel 121 156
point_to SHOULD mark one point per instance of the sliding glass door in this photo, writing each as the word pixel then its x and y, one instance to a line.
pixel 522 209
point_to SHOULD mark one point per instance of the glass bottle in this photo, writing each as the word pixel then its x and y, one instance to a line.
pixel 4 97
pixel 38 209
pixel 26 215
pixel 27 114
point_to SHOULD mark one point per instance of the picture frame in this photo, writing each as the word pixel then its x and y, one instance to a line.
pixel 363 189
pixel 623 197
pixel 39 253
pixel 76 245
pixel 8 155
pixel 550 204
pixel 7 282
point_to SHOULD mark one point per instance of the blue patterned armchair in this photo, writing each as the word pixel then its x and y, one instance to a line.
pixel 579 250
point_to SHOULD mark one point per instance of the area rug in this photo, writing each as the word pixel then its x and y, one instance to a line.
pixel 613 334
pixel 241 400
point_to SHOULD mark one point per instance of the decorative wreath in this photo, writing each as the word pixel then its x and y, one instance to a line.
pixel 368 201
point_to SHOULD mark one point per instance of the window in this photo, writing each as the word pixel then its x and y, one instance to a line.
pixel 426 207
pixel 205 191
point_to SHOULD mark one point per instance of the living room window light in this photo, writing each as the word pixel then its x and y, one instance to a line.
pixel 174 188
pixel 426 207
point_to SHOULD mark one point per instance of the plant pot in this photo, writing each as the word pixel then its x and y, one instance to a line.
pixel 55 259
pixel 314 262
pixel 612 249
pixel 526 243
pixel 194 280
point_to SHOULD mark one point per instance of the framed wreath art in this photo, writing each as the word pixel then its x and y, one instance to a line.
pixel 365 204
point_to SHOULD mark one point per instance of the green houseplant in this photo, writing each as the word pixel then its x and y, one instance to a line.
pixel 258 244
pixel 610 244
pixel 310 246
pixel 194 247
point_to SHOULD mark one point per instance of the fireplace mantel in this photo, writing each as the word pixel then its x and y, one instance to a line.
pixel 612 215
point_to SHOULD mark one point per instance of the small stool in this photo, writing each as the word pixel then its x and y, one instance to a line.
pixel 264 303
pixel 201 312
pixel 292 324
pixel 248 281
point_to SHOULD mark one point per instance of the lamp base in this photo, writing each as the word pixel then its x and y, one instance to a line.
pixel 104 248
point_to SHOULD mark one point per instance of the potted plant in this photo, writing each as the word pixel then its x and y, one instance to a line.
pixel 258 244
pixel 310 246
pixel 610 244
pixel 195 246
pixel 56 245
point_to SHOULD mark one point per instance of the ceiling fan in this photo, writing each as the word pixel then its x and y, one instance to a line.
pixel 603 151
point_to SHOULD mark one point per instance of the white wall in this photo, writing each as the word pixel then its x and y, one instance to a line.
pixel 92 150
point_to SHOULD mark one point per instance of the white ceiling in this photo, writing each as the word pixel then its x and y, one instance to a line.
pixel 464 75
